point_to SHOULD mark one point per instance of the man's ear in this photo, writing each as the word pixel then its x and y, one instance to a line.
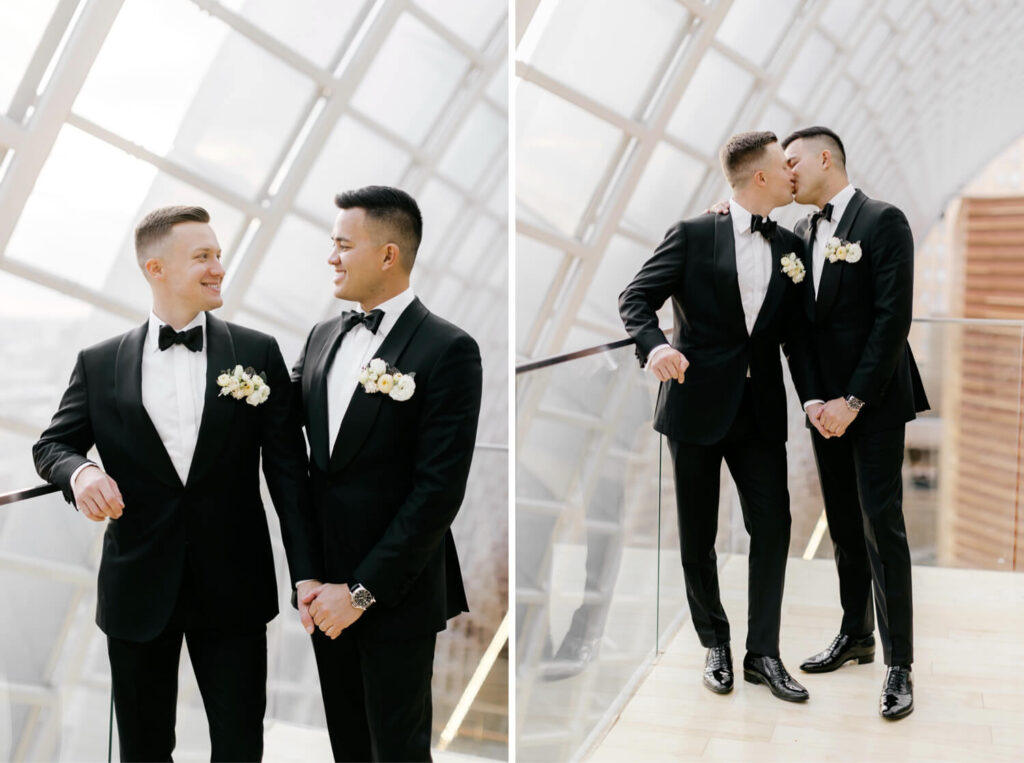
pixel 154 268
pixel 826 159
pixel 391 255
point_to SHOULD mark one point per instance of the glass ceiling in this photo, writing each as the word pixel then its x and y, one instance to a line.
pixel 622 107
pixel 260 111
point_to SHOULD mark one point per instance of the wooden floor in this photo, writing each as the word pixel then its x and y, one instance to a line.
pixel 968 679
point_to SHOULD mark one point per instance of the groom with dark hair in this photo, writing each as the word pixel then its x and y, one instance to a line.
pixel 859 309
pixel 390 399
pixel 181 409
pixel 736 284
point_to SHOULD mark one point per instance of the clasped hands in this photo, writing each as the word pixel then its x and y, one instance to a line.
pixel 327 606
pixel 832 418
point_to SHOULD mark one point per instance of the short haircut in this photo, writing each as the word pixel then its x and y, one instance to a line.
pixel 835 144
pixel 393 208
pixel 158 223
pixel 741 151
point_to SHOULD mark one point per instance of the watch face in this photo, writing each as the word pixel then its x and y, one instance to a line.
pixel 362 599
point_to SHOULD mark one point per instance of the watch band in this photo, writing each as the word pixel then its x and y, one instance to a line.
pixel 361 598
pixel 854 403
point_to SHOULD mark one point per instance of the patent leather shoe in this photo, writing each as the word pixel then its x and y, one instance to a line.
pixel 842 649
pixel 718 669
pixel 897 698
pixel 770 670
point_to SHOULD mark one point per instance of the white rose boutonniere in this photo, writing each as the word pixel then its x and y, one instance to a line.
pixel 838 250
pixel 244 384
pixel 793 267
pixel 377 376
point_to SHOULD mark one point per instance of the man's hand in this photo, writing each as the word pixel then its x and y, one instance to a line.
pixel 813 411
pixel 301 591
pixel 97 496
pixel 719 208
pixel 835 416
pixel 330 606
pixel 669 363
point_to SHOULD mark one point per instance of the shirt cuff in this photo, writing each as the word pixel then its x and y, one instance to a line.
pixel 654 353
pixel 809 403
pixel 76 472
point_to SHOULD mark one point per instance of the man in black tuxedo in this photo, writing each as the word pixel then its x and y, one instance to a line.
pixel 859 314
pixel 390 399
pixel 735 299
pixel 186 553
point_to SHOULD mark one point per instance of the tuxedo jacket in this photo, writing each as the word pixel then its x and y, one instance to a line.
pixel 386 493
pixel 695 267
pixel 213 526
pixel 860 319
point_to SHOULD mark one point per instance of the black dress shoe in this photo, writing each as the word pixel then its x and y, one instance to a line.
pixel 718 669
pixel 842 649
pixel 897 698
pixel 771 671
pixel 574 654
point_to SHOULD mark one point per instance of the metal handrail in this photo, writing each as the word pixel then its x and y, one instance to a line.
pixel 554 360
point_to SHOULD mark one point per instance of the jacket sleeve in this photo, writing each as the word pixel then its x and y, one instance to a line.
pixel 797 340
pixel 63 445
pixel 444 451
pixel 892 275
pixel 659 278
pixel 286 469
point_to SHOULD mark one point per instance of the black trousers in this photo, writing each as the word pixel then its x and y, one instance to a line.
pixel 758 466
pixel 862 484
pixel 376 695
pixel 231 670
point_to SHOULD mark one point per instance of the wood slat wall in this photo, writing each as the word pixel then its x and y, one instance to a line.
pixel 984 517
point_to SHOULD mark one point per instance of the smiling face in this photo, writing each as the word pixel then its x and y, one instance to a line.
pixel 361 257
pixel 184 268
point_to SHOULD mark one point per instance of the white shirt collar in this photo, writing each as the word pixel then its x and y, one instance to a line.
pixel 740 217
pixel 393 309
pixel 840 202
pixel 153 333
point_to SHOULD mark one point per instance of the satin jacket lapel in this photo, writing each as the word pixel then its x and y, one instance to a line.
pixel 832 272
pixel 315 396
pixel 218 411
pixel 146 445
pixel 776 287
pixel 363 408
pixel 726 282
pixel 808 236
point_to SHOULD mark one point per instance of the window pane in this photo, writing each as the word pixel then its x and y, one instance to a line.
pixel 806 70
pixel 562 153
pixel 411 79
pixel 708 107
pixel 439 205
pixel 219 104
pixel 472 20
pixel 498 86
pixel 353 157
pixel 663 192
pixel 21 28
pixel 476 250
pixel 620 262
pixel 479 137
pixel 608 49
pixel 314 28
pixel 536 265
pixel 753 29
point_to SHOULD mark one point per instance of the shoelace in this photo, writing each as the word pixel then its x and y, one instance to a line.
pixel 718 659
pixel 895 681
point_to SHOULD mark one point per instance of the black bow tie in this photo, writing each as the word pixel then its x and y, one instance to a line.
pixel 193 338
pixel 763 225
pixel 351 318
pixel 825 213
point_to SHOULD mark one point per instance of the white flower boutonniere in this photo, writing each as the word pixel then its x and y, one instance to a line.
pixel 793 267
pixel 838 250
pixel 244 383
pixel 377 376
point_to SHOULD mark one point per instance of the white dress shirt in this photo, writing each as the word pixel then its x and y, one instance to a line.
pixel 753 269
pixel 827 230
pixel 358 347
pixel 173 394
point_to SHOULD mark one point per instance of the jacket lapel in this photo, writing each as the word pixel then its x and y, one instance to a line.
pixel 832 272
pixel 139 430
pixel 727 284
pixel 218 411
pixel 776 287
pixel 315 396
pixel 363 409
pixel 807 234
